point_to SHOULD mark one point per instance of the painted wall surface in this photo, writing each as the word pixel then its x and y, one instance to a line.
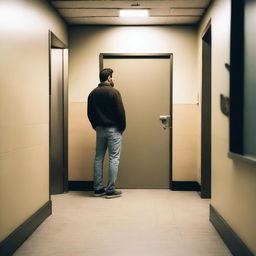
pixel 85 45
pixel 24 108
pixel 233 182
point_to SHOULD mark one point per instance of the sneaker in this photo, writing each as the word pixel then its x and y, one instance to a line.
pixel 100 192
pixel 113 194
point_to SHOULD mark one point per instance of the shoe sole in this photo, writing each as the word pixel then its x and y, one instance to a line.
pixel 112 196
pixel 98 195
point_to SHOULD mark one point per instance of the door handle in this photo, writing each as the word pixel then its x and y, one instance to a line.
pixel 166 121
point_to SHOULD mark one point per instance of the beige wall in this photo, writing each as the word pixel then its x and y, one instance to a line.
pixel 185 142
pixel 233 182
pixel 24 108
pixel 87 42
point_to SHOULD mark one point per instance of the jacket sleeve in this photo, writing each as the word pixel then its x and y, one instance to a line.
pixel 120 112
pixel 90 111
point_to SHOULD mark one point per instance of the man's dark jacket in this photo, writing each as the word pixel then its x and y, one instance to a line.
pixel 105 107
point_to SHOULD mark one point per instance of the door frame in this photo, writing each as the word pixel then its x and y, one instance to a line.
pixel 55 43
pixel 206 116
pixel 103 56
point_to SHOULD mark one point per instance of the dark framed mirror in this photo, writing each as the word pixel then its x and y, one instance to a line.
pixel 243 81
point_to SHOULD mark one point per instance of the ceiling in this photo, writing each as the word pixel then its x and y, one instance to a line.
pixel 106 12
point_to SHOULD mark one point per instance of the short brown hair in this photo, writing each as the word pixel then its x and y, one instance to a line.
pixel 105 73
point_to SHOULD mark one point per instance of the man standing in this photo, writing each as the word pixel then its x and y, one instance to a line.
pixel 107 116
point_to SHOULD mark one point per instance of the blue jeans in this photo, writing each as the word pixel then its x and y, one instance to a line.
pixel 107 137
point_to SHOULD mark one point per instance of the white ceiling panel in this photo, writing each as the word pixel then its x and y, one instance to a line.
pixel 160 12
pixel 191 3
pixel 89 12
pixel 186 11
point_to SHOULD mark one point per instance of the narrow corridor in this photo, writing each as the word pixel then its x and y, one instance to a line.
pixel 143 222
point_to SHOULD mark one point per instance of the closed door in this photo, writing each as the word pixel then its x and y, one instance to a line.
pixel 145 86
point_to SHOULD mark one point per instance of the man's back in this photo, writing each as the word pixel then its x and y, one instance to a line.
pixel 105 107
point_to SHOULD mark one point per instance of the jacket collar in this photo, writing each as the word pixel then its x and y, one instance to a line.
pixel 104 84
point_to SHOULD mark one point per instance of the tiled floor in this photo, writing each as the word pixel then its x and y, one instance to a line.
pixel 142 222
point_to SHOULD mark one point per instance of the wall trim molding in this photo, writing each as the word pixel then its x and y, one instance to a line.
pixel 185 186
pixel 231 239
pixel 12 242
pixel 80 185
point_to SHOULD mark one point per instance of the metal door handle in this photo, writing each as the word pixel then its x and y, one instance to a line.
pixel 166 121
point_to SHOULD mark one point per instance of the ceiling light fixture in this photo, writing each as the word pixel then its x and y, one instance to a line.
pixel 133 13
pixel 135 5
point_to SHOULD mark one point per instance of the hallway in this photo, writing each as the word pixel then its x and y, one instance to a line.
pixel 142 222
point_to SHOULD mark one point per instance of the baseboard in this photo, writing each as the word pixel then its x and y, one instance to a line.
pixel 10 244
pixel 80 185
pixel 231 239
pixel 185 186
pixel 175 185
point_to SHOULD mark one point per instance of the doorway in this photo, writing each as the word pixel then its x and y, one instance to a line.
pixel 206 115
pixel 145 83
pixel 58 102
